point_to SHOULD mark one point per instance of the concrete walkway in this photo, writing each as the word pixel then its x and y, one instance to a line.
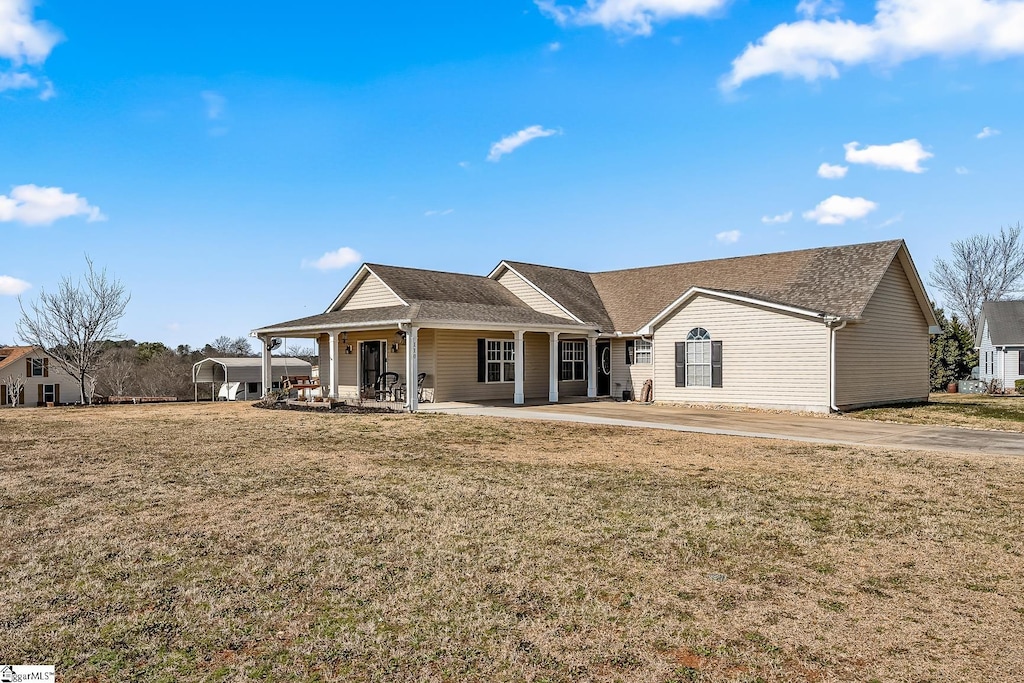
pixel 792 427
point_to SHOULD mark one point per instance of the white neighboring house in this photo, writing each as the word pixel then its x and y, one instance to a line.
pixel 45 382
pixel 1001 342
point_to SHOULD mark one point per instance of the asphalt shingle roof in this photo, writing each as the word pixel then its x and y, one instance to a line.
pixel 830 281
pixel 1005 322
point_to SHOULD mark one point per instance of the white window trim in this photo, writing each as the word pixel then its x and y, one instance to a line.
pixel 643 348
pixel 705 354
pixel 506 346
pixel 572 347
pixel 51 390
pixel 41 364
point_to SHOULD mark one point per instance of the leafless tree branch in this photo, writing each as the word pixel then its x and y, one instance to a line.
pixel 981 268
pixel 71 323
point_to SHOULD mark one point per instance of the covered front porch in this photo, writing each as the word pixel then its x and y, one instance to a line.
pixel 449 362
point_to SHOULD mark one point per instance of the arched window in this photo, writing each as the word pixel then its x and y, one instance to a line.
pixel 698 358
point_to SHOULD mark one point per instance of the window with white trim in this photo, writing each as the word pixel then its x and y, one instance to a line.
pixel 38 367
pixel 574 361
pixel 501 360
pixel 698 358
pixel 643 352
pixel 49 393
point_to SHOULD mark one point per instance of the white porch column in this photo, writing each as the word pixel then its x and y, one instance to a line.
pixel 591 366
pixel 268 372
pixel 412 368
pixel 332 355
pixel 519 398
pixel 553 361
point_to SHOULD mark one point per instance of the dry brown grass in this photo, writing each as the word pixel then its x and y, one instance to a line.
pixel 221 542
pixel 1004 413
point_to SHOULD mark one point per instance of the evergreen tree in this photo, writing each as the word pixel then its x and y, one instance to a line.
pixel 952 352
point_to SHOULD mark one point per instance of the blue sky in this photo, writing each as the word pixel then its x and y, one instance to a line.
pixel 212 154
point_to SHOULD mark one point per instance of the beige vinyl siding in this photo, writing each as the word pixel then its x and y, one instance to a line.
pixel 885 358
pixel 630 377
pixel 348 363
pixel 529 295
pixel 769 358
pixel 370 293
pixel 457 367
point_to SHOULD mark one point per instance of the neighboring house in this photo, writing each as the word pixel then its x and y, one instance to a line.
pixel 818 329
pixel 1000 343
pixel 45 381
pixel 243 377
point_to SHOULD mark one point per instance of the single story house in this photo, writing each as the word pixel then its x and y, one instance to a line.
pixel 1000 342
pixel 44 382
pixel 818 329
pixel 244 376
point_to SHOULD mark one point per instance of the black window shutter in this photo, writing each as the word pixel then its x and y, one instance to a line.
pixel 3 394
pixel 716 364
pixel 680 364
pixel 1020 363
pixel 481 360
pixel 630 350
pixel 28 367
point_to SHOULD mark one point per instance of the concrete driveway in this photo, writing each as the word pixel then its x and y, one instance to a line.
pixel 792 427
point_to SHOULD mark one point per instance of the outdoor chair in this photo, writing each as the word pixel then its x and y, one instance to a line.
pixel 385 389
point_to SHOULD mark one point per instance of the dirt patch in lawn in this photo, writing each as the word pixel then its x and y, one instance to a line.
pixel 219 542
pixel 1004 413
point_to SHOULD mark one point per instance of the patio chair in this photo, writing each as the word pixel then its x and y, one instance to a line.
pixel 419 385
pixel 385 389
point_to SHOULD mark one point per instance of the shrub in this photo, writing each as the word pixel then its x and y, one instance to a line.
pixel 1019 386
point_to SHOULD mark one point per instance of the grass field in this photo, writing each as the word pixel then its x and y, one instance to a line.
pixel 222 543
pixel 1005 413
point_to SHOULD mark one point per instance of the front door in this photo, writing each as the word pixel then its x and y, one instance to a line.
pixel 604 368
pixel 371 364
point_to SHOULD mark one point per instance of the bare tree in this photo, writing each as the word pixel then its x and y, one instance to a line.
pixel 118 371
pixel 15 385
pixel 226 346
pixel 306 353
pixel 982 268
pixel 72 323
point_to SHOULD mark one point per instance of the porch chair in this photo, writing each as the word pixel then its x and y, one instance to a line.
pixel 385 389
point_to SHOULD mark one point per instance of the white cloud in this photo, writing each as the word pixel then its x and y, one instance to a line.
pixel 12 286
pixel 635 17
pixel 898 218
pixel 810 9
pixel 987 132
pixel 436 212
pixel 464 164
pixel 836 210
pixel 34 205
pixel 511 143
pixel 334 260
pixel 781 218
pixel 901 156
pixel 554 47
pixel 832 172
pixel 901 30
pixel 215 104
pixel 728 237
pixel 962 170
pixel 24 45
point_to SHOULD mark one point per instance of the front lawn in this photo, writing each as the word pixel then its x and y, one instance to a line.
pixel 975 411
pixel 220 542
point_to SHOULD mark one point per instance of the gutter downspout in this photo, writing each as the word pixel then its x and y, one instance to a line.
pixel 832 362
